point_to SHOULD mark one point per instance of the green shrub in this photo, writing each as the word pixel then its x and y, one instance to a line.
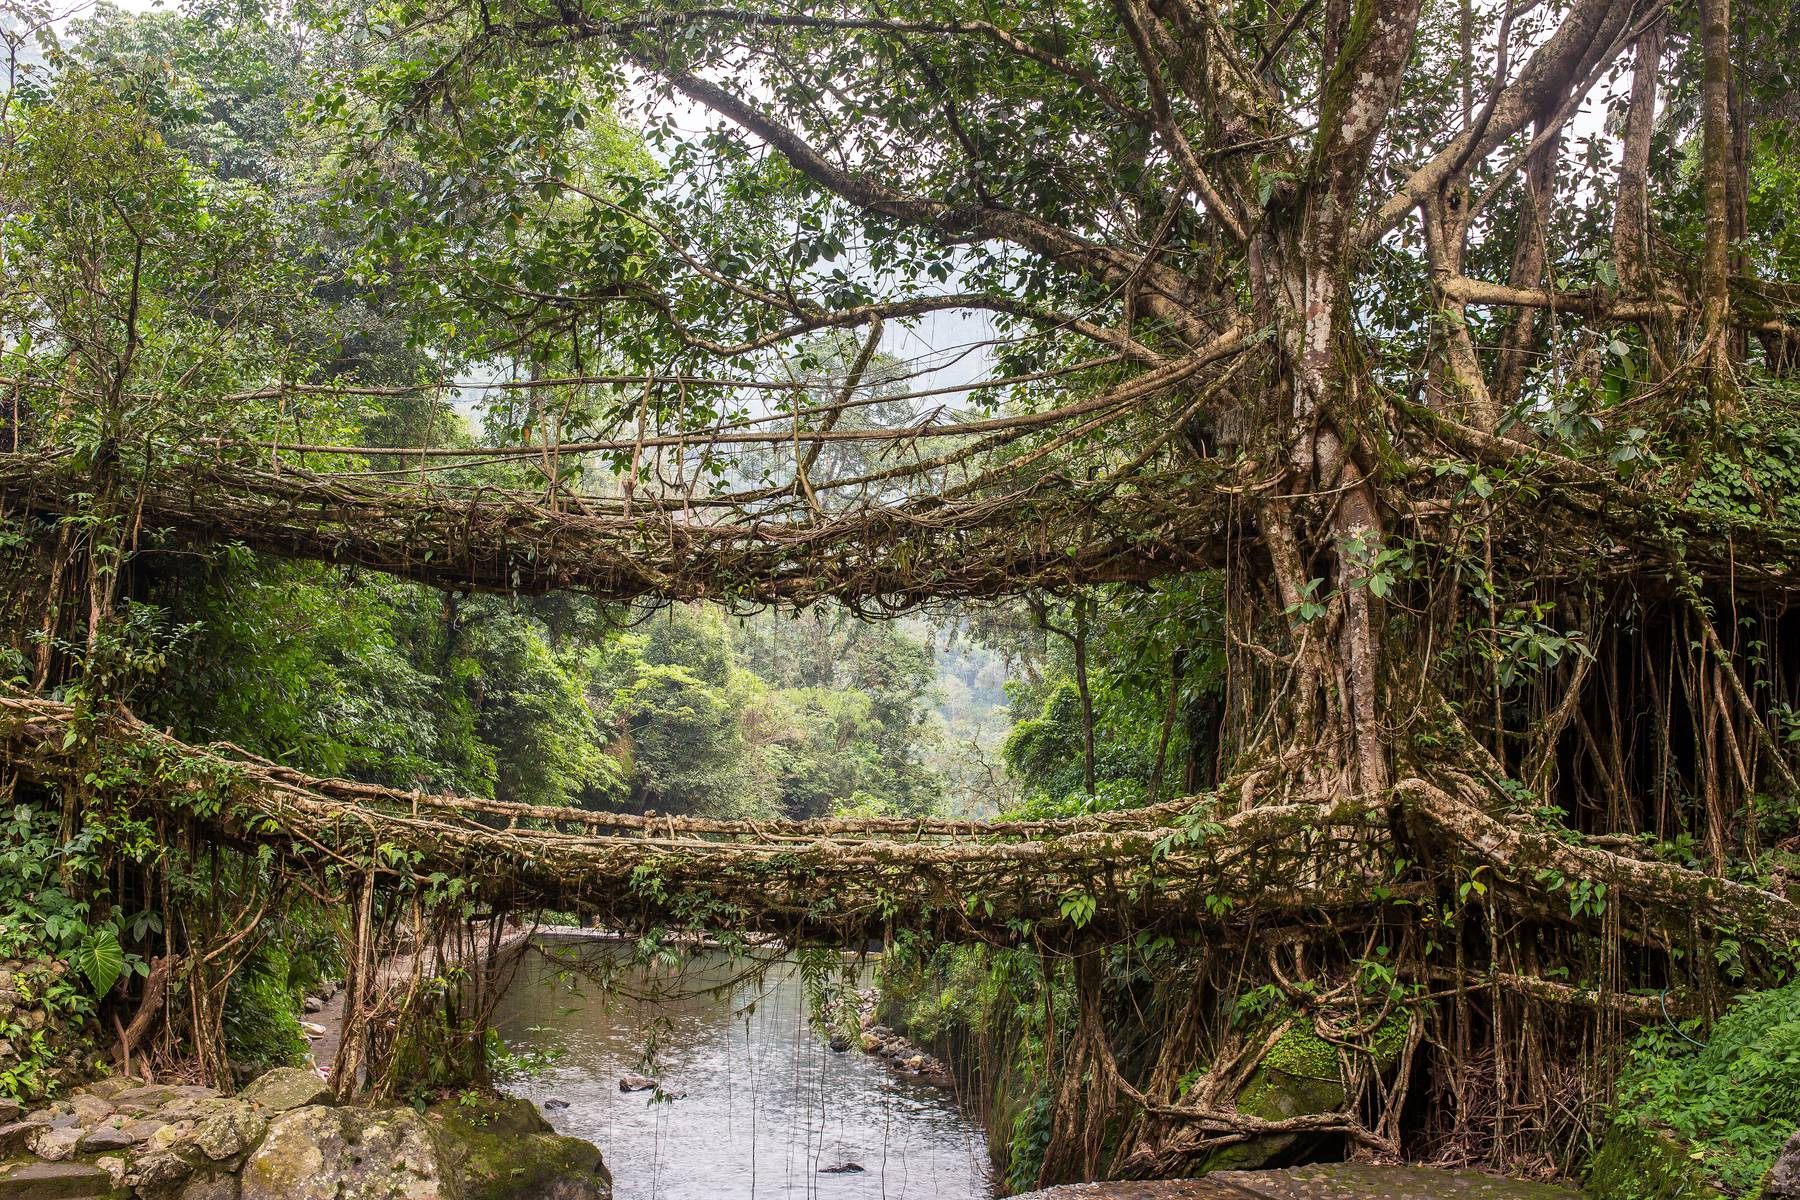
pixel 262 1021
pixel 1732 1101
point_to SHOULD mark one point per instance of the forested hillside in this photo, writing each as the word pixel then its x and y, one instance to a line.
pixel 550 701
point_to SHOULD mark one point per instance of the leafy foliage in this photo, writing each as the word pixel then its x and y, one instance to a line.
pixel 262 1028
pixel 1731 1100
pixel 1153 674
pixel 768 717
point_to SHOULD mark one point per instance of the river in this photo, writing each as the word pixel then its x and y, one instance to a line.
pixel 764 1107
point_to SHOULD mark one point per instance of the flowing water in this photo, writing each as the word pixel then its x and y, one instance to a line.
pixel 765 1108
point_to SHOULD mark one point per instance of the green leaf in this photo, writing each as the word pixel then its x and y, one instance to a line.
pixel 1079 908
pixel 102 960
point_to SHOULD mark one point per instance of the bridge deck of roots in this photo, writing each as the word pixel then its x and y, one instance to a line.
pixel 1298 861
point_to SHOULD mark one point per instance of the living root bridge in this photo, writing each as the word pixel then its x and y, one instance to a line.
pixel 1049 533
pixel 1165 867
pixel 843 880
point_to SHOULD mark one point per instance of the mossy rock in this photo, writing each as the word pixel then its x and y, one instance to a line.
pixel 1299 1076
pixel 483 1148
pixel 1634 1163
pixel 501 1148
pixel 288 1087
pixel 57 1181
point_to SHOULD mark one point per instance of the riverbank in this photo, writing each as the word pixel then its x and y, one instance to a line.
pixel 284 1137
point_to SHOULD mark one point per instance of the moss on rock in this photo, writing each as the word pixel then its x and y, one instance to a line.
pixel 500 1147
pixel 477 1148
pixel 1300 1074
pixel 1643 1164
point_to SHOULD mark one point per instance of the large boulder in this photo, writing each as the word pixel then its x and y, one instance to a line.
pixel 287 1087
pixel 503 1149
pixel 1783 1179
pixel 320 1153
pixel 229 1130
pixel 496 1149
pixel 1298 1075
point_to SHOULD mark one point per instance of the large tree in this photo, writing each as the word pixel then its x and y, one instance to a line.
pixel 1452 322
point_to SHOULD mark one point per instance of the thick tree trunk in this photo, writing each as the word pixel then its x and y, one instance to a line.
pixel 1323 536
pixel 1530 252
pixel 1456 384
pixel 1716 158
pixel 1632 232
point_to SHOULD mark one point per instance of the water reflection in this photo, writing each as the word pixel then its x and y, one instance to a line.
pixel 765 1109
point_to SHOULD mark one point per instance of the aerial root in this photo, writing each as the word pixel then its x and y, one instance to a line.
pixel 1532 859
pixel 1312 880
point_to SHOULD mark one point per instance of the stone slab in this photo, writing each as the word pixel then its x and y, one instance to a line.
pixel 1321 1181
pixel 103 1139
pixel 54 1181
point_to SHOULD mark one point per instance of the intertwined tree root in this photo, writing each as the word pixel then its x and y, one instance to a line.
pixel 850 878
pixel 1234 875
pixel 1050 533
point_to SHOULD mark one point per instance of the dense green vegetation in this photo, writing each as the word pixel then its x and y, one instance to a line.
pixel 542 701
pixel 170 156
pixel 552 701
pixel 548 702
pixel 558 700
pixel 1722 1108
pixel 1127 702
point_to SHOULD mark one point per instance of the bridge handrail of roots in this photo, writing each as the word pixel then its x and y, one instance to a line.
pixel 1017 533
